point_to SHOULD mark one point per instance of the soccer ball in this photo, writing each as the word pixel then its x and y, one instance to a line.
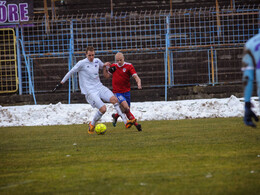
pixel 101 129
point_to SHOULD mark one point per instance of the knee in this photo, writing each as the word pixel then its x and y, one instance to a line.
pixel 103 109
pixel 113 100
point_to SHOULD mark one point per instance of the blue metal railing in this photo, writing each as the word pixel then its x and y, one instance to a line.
pixel 189 33
pixel 28 67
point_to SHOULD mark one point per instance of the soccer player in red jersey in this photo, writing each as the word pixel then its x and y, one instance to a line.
pixel 121 73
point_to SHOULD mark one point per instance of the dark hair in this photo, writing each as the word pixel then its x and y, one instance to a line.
pixel 90 48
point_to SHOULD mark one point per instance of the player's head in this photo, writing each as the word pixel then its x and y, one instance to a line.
pixel 90 53
pixel 120 59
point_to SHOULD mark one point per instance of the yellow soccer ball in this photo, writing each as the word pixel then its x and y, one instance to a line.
pixel 101 129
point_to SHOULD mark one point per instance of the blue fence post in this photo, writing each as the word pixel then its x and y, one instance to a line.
pixel 71 51
pixel 216 66
pixel 27 63
pixel 208 52
pixel 166 55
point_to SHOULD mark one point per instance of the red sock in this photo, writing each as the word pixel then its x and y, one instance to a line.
pixel 129 115
pixel 116 115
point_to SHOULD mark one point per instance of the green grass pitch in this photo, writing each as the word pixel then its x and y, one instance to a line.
pixel 201 156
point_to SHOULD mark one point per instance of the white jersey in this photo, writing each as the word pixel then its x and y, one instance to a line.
pixel 88 72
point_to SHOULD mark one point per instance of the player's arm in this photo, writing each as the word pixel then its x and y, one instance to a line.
pixel 106 68
pixel 75 69
pixel 138 81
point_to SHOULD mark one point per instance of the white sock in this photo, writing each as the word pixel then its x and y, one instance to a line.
pixel 97 116
pixel 116 105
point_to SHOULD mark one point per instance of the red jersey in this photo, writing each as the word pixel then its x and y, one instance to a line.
pixel 121 77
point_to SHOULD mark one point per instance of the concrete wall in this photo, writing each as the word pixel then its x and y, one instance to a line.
pixel 156 94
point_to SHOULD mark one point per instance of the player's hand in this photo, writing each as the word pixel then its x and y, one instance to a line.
pixel 107 64
pixel 112 69
pixel 249 114
pixel 58 86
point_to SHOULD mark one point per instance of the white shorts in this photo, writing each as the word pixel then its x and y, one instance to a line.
pixel 96 98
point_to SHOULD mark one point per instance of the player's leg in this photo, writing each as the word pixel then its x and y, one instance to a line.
pixel 258 81
pixel 115 116
pixel 108 96
pixel 99 114
pixel 124 106
pixel 125 99
pixel 130 116
pixel 248 78
pixel 95 101
pixel 115 102
pixel 128 113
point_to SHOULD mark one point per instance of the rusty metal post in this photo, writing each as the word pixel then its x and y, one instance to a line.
pixel 47 24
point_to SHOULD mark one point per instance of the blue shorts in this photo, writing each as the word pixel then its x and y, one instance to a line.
pixel 124 97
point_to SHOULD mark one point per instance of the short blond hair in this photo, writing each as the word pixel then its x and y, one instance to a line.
pixel 120 53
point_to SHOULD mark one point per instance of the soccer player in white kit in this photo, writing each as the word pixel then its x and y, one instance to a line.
pixel 95 92
pixel 251 63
